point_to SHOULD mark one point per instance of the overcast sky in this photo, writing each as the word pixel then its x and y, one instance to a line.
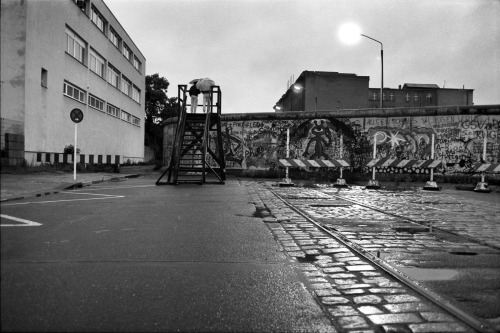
pixel 251 48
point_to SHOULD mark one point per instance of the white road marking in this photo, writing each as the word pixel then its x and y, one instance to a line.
pixel 26 223
pixel 103 196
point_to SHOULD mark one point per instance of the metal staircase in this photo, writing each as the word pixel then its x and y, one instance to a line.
pixel 194 159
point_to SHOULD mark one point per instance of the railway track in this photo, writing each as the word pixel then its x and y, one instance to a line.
pixel 307 206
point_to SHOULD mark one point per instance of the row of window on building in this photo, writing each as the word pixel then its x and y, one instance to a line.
pixel 374 96
pixel 76 47
pixel 97 103
pixel 113 36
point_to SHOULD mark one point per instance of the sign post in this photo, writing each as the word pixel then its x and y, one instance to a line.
pixel 76 116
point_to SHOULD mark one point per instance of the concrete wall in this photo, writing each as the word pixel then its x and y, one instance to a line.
pixel 34 38
pixel 12 69
pixel 257 141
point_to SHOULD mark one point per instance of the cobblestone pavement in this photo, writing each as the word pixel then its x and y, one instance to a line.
pixel 358 295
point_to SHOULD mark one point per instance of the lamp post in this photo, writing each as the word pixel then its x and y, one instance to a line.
pixel 382 61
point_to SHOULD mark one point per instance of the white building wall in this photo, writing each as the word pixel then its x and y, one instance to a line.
pixel 12 68
pixel 47 124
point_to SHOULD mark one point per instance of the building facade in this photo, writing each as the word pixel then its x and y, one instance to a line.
pixel 57 56
pixel 418 95
pixel 322 91
pixel 329 91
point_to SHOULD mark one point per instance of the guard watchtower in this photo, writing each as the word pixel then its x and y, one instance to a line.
pixel 197 151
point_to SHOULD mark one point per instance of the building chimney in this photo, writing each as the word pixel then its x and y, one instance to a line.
pixel 399 87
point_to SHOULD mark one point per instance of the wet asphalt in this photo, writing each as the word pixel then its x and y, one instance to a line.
pixel 131 256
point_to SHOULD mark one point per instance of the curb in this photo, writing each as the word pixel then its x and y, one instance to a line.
pixel 68 186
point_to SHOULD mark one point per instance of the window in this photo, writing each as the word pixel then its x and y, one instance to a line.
pixel 126 85
pixel 136 121
pixel 415 97
pixel 374 96
pixel 74 92
pixel 384 97
pixel 113 76
pixel 408 97
pixel 113 111
pixel 391 97
pixel 126 116
pixel 96 63
pixel 114 38
pixel 136 94
pixel 428 97
pixel 44 77
pixel 96 103
pixel 75 45
pixel 137 64
pixel 126 51
pixel 98 19
pixel 81 3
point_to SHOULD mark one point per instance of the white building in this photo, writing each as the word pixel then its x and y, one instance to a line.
pixel 58 55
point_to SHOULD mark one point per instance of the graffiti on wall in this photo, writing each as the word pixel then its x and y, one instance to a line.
pixel 458 140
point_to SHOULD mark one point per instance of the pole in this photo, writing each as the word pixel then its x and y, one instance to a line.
pixel 341 144
pixel 382 77
pixel 287 148
pixel 74 153
pixel 374 153
pixel 484 153
pixel 432 156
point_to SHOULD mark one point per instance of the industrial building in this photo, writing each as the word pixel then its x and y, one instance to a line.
pixel 58 56
pixel 328 91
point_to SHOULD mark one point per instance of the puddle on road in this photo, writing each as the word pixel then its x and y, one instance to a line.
pixel 428 274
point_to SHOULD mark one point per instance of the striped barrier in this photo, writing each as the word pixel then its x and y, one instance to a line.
pixel 290 162
pixel 396 163
pixel 487 167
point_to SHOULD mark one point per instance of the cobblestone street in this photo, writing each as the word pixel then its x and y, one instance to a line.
pixel 359 295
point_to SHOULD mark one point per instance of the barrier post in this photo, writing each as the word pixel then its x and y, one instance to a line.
pixel 482 186
pixel 373 184
pixel 287 182
pixel 431 185
pixel 340 181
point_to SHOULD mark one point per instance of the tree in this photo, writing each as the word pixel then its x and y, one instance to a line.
pixel 158 108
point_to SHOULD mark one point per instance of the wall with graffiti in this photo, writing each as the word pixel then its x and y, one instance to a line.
pixel 458 138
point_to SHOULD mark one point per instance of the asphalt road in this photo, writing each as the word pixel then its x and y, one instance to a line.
pixel 132 256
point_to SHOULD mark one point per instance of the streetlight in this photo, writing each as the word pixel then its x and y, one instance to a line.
pixel 349 33
pixel 278 108
pixel 382 62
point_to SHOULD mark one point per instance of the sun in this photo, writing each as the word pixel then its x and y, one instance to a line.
pixel 349 33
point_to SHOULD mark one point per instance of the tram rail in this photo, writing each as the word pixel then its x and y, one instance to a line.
pixel 439 300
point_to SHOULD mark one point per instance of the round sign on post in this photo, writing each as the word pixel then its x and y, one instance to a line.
pixel 76 115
